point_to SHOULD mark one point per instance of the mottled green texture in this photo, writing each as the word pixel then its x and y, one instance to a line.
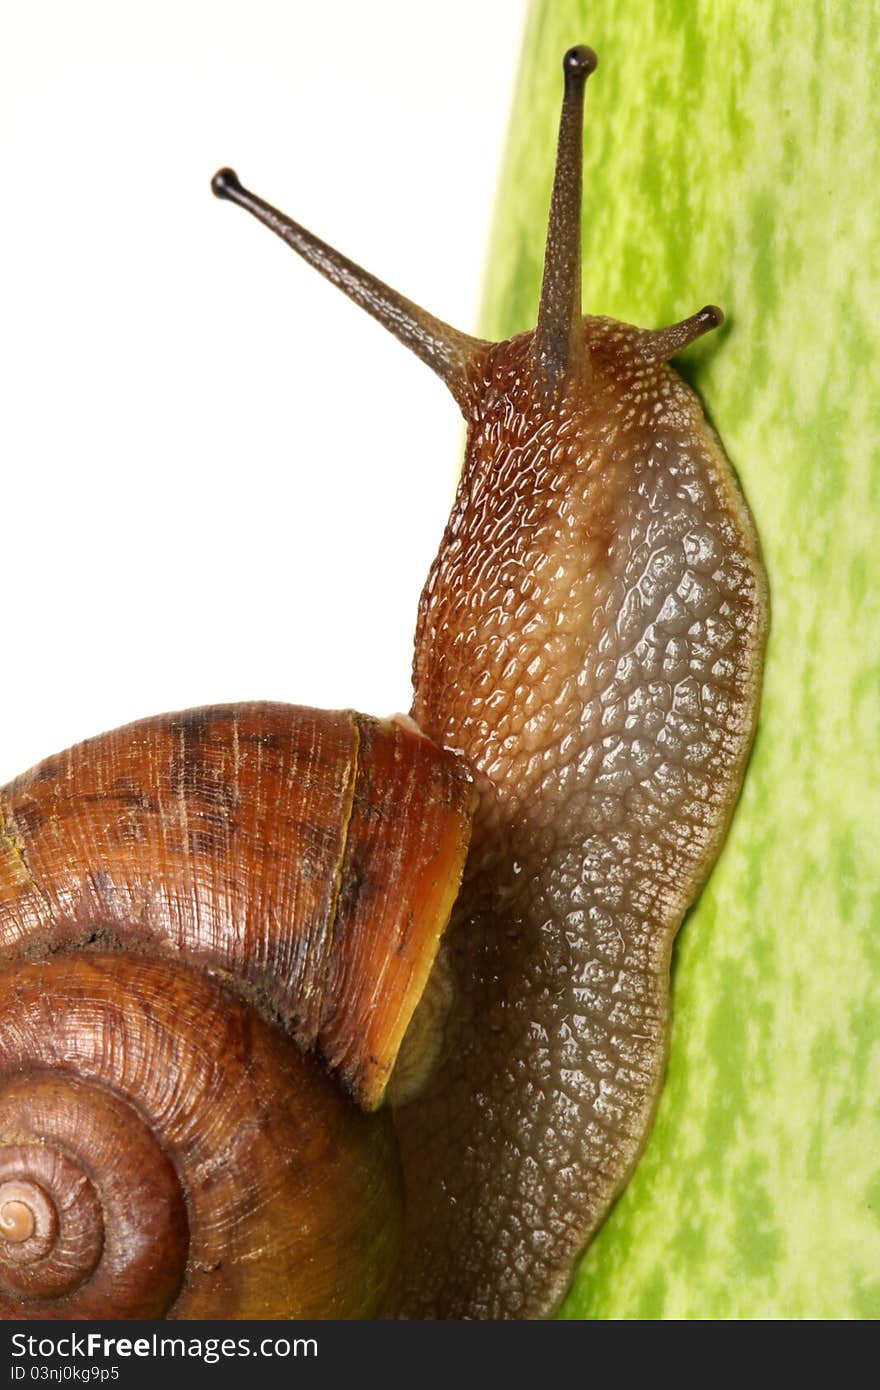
pixel 731 156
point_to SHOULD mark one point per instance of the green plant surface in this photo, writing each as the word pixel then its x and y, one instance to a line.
pixel 731 156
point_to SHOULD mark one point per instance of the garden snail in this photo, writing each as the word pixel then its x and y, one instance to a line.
pixel 586 679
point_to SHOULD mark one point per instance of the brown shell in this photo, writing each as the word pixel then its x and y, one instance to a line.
pixel 313 855
pixel 165 1152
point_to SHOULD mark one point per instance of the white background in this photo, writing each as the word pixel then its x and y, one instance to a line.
pixel 220 480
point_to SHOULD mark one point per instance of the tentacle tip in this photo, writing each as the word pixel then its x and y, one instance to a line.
pixel 711 317
pixel 225 183
pixel 578 63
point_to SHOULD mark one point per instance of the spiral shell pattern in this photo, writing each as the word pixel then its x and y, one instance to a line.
pixel 165 1152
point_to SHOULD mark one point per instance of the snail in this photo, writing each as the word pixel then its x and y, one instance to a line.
pixel 307 1014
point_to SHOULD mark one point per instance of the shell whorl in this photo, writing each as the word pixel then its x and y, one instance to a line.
pixel 96 1217
pixel 314 855
pixel 177 1156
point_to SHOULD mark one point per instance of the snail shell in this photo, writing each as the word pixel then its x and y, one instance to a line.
pixel 190 908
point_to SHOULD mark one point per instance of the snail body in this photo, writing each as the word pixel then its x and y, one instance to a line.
pixel 586 682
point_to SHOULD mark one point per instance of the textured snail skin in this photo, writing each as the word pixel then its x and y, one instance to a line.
pixel 601 575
